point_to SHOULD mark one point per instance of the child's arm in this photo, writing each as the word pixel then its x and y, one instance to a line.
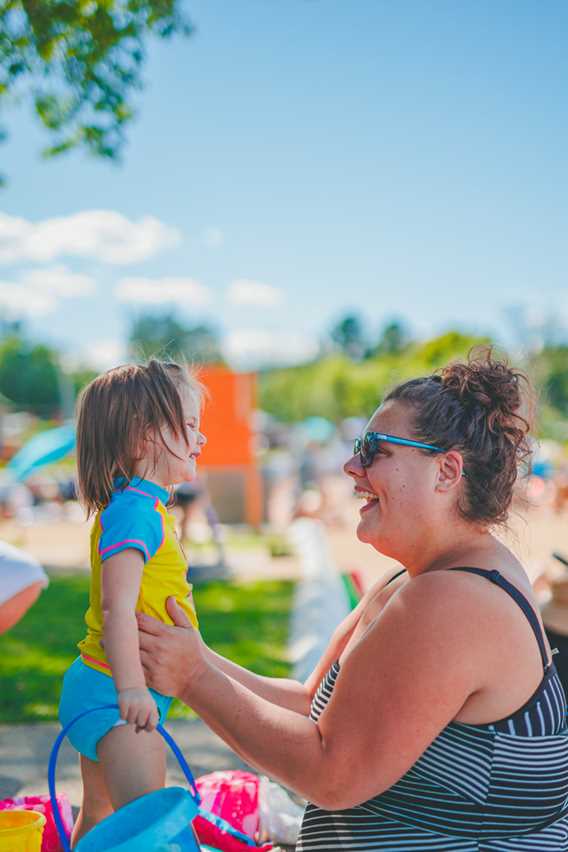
pixel 121 578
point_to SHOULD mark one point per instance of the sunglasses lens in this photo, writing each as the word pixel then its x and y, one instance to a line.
pixel 360 448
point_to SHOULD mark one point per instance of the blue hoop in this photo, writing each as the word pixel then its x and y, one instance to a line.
pixel 193 791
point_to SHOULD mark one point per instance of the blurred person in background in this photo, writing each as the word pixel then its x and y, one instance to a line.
pixel 21 580
pixel 554 614
pixel 188 497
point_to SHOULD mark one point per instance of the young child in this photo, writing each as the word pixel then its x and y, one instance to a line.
pixel 137 435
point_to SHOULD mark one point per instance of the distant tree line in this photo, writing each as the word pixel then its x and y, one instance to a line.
pixel 348 378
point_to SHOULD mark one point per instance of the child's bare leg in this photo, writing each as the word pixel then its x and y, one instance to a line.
pixel 96 804
pixel 133 764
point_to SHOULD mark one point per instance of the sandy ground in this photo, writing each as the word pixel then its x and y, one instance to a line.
pixel 25 752
pixel 62 545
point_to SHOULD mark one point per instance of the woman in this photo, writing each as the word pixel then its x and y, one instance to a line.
pixel 435 719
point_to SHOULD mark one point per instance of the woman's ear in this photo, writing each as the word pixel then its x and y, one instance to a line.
pixel 450 471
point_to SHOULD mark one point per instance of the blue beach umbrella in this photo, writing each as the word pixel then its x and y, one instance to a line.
pixel 40 450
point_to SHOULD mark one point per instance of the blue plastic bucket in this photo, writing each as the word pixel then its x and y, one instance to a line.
pixel 159 821
pixel 156 822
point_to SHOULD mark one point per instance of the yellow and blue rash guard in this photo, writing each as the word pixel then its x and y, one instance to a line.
pixel 136 517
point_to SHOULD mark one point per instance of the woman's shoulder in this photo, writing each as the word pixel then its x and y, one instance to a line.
pixel 480 605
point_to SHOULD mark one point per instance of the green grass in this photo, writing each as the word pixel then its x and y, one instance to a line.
pixel 247 622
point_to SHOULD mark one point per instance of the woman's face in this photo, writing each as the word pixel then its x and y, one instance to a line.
pixel 398 488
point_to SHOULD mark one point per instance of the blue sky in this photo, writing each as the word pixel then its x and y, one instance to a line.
pixel 294 160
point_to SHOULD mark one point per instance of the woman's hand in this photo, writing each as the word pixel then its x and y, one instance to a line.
pixel 137 707
pixel 172 656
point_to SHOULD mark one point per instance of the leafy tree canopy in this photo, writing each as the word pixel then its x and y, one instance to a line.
pixel 165 336
pixel 550 370
pixel 80 62
pixel 394 339
pixel 335 387
pixel 348 335
pixel 29 376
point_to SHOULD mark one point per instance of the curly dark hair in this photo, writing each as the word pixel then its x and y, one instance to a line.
pixel 475 407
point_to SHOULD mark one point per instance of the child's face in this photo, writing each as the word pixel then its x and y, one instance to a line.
pixel 177 461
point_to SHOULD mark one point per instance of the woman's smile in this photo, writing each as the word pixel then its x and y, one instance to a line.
pixel 370 498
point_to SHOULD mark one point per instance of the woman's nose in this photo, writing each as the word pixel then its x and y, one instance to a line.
pixel 353 466
pixel 202 440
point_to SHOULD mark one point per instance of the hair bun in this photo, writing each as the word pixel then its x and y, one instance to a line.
pixel 486 383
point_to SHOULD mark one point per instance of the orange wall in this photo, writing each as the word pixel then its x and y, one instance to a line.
pixel 226 418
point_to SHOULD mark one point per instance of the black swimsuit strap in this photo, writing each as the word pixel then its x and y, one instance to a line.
pixel 395 576
pixel 518 596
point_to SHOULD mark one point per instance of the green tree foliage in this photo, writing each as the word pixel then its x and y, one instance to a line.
pixel 393 340
pixel 80 62
pixel 348 336
pixel 165 336
pixel 550 370
pixel 29 376
pixel 81 377
pixel 335 387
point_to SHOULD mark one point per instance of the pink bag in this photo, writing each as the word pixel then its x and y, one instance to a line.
pixel 232 795
pixel 41 804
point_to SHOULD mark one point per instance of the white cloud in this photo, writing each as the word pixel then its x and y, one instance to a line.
pixel 37 292
pixel 58 280
pixel 255 347
pixel 212 237
pixel 245 291
pixel 103 235
pixel 184 292
pixel 17 301
pixel 104 354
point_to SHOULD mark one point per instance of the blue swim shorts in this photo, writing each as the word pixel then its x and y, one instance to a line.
pixel 85 688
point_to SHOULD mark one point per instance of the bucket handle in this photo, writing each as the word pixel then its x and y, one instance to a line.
pixel 194 792
pixel 53 763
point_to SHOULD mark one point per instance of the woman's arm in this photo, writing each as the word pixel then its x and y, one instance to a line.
pixel 284 692
pixel 397 689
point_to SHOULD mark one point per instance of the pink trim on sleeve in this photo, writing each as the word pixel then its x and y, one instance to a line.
pixel 139 491
pixel 126 541
pixel 163 522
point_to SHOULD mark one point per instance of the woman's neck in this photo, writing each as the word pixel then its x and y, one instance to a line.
pixel 469 546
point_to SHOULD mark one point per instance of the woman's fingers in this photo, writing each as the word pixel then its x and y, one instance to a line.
pixel 147 624
pixel 176 613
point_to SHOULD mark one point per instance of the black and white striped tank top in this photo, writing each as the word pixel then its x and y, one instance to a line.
pixel 499 787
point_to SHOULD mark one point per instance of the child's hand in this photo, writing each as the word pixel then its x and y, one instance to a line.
pixel 139 708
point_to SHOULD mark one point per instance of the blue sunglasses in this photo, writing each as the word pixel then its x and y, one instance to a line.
pixel 369 445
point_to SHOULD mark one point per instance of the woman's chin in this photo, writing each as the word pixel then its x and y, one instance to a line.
pixel 364 533
pixel 368 534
